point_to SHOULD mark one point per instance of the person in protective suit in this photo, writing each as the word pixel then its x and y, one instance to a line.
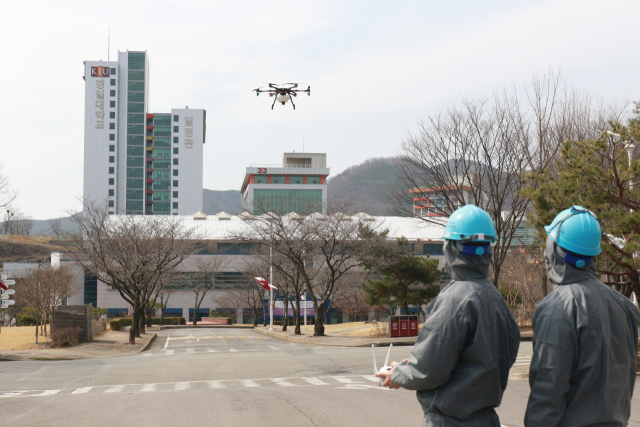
pixel 461 360
pixel 585 335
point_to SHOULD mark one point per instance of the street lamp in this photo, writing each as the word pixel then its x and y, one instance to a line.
pixel 630 147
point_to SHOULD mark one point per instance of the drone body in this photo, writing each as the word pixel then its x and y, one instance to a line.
pixel 283 93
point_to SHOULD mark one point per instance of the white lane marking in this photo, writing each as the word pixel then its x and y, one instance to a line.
pixel 149 387
pixel 13 394
pixel 115 388
pixel 315 381
pixel 344 380
pixel 147 354
pixel 169 352
pixel 47 393
pixel 82 390
pixel 198 340
pixel 249 383
pixel 233 350
pixel 282 382
pixel 191 350
pixel 274 348
pixel 216 384
pixel 371 378
pixel 210 350
pixel 166 343
pixel 182 386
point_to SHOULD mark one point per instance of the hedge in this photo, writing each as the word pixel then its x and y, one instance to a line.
pixel 116 324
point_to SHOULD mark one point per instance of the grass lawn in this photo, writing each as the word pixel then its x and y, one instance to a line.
pixel 351 329
pixel 20 338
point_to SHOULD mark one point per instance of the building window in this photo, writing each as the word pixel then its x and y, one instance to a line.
pixel 112 114
pixel 111 181
pixel 175 194
pixel 175 183
pixel 175 172
pixel 176 129
pixel 112 104
pixel 277 179
pixel 175 162
pixel 136 60
pixel 112 137
pixel 112 92
pixel 113 71
pixel 112 125
pixel 113 82
pixel 112 159
pixel 112 148
pixel 110 203
pixel 295 179
pixel 175 205
pixel 176 118
pixel 175 150
pixel 112 192
pixel 112 170
pixel 175 139
pixel 313 180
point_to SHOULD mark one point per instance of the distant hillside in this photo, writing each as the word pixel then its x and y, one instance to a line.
pixel 369 183
pixel 221 201
pixel 41 227
pixel 22 248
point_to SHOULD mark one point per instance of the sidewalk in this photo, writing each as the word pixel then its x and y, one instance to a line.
pixel 343 341
pixel 109 344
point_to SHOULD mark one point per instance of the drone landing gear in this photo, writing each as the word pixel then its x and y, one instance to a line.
pixel 274 102
pixel 294 105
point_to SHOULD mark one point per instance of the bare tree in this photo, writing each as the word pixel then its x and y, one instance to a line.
pixel 55 226
pixel 7 194
pixel 350 297
pixel 130 253
pixel 481 152
pixel 321 248
pixel 202 280
pixel 44 287
pixel 16 222
pixel 246 296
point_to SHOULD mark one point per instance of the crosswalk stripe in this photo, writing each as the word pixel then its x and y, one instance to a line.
pixel 371 378
pixel 149 387
pixel 211 350
pixel 282 382
pixel 344 380
pixel 115 388
pixel 249 383
pixel 169 352
pixel 12 394
pixel 82 390
pixel 47 393
pixel 182 386
pixel 191 350
pixel 233 350
pixel 315 381
pixel 273 348
pixel 216 384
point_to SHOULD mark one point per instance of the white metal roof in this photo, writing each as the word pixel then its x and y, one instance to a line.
pixel 411 228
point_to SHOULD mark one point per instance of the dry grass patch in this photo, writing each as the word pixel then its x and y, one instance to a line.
pixel 20 338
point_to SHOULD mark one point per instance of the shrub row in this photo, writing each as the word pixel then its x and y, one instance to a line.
pixel 66 336
pixel 116 324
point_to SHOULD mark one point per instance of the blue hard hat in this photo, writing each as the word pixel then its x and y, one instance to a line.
pixel 470 223
pixel 576 230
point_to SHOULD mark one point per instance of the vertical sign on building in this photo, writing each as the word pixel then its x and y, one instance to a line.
pixel 188 132
pixel 99 102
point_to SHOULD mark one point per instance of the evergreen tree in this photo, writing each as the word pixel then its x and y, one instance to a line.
pixel 400 279
pixel 599 175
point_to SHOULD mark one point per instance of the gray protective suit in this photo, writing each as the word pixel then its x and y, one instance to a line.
pixel 460 363
pixel 585 341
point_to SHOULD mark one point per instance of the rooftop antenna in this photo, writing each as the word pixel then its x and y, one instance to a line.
pixel 109 44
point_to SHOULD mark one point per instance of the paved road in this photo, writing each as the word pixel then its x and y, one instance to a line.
pixel 222 376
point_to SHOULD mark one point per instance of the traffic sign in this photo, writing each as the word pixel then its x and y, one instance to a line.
pixel 9 292
pixel 6 303
pixel 9 282
pixel 3 277
pixel 4 296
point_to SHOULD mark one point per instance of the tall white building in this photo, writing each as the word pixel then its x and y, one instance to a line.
pixel 143 163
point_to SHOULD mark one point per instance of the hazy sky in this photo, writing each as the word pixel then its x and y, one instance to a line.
pixel 375 69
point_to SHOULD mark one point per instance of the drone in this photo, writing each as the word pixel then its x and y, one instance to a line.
pixel 282 93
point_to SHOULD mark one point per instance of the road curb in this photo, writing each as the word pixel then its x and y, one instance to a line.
pixel 153 338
